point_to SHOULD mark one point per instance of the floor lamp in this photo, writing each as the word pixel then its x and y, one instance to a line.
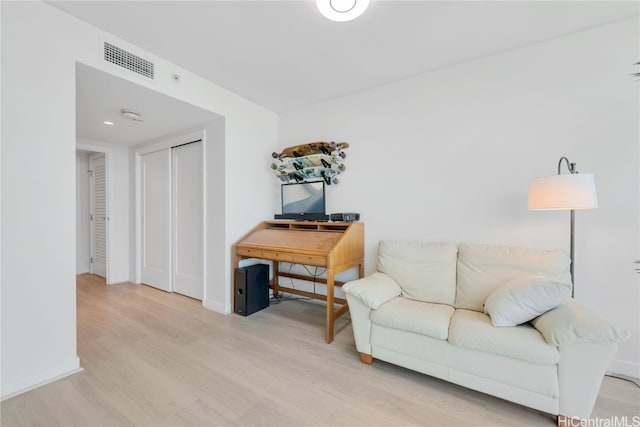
pixel 570 192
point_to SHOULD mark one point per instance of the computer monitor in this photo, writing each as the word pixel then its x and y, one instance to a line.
pixel 303 198
pixel 303 201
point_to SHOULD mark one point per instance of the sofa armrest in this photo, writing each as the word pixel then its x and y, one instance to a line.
pixel 373 290
pixel 586 343
pixel 360 323
pixel 364 295
pixel 580 372
pixel 571 322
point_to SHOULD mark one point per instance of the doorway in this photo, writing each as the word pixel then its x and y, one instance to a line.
pixel 92 218
pixel 101 127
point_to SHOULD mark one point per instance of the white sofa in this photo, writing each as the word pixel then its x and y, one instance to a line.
pixel 423 310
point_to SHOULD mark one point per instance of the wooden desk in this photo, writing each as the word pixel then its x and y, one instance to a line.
pixel 337 246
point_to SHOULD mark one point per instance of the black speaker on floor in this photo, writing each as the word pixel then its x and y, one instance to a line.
pixel 251 289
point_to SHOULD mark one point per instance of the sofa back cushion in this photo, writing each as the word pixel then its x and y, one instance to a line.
pixel 425 271
pixel 482 268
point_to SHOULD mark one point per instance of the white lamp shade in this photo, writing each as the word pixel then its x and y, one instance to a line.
pixel 563 192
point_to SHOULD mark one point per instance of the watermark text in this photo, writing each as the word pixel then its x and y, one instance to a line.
pixel 614 421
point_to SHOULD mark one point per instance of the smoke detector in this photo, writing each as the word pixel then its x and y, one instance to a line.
pixel 131 115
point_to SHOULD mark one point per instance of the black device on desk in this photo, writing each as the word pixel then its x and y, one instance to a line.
pixel 345 216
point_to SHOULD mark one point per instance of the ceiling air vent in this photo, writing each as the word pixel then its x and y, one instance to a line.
pixel 128 60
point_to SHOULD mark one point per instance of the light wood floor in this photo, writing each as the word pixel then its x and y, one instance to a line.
pixel 158 359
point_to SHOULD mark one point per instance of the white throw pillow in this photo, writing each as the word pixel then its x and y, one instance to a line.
pixel 525 298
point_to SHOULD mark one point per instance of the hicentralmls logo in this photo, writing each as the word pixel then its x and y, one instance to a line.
pixel 605 422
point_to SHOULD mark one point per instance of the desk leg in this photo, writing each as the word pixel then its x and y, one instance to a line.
pixel 330 307
pixel 276 283
pixel 235 263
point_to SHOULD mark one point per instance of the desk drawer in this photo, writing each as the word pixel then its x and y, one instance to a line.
pixel 253 253
pixel 301 259
pixel 282 256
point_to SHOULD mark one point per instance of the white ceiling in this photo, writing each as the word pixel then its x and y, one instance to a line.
pixel 101 96
pixel 284 54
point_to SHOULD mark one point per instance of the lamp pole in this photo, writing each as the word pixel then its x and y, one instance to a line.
pixel 571 250
pixel 572 170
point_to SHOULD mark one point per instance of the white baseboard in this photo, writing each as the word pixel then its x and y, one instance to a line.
pixel 22 385
pixel 215 306
pixel 625 368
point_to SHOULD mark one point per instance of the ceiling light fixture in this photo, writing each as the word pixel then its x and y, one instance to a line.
pixel 342 10
pixel 108 123
pixel 131 115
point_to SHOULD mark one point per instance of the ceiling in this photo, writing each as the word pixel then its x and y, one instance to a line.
pixel 101 96
pixel 285 54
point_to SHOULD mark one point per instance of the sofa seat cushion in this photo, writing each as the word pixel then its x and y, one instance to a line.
pixel 414 316
pixel 473 330
pixel 425 271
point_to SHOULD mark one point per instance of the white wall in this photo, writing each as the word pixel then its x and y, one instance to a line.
pixel 38 251
pixel 447 156
pixel 83 249
pixel 216 297
pixel 249 189
pixel 118 211
pixel 40 47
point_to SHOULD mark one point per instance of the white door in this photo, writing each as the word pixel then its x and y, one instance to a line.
pixel 98 215
pixel 156 219
pixel 188 229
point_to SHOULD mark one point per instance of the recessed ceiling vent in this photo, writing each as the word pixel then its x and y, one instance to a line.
pixel 128 60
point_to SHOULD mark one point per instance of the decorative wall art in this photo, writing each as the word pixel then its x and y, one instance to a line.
pixel 310 162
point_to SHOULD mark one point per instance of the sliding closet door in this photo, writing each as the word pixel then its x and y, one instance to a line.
pixel 156 219
pixel 188 229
